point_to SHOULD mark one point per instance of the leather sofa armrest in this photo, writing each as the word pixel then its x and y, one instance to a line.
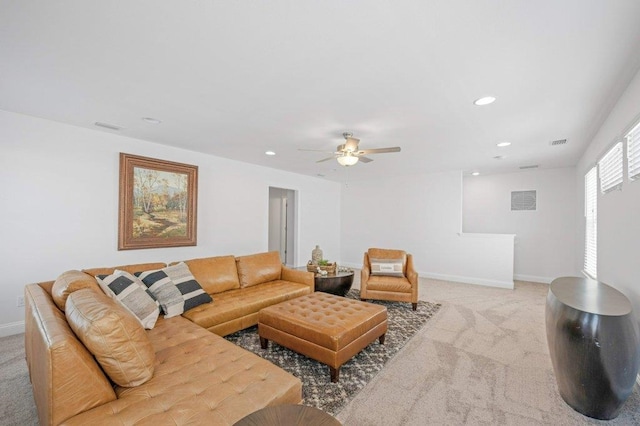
pixel 297 276
pixel 364 272
pixel 412 275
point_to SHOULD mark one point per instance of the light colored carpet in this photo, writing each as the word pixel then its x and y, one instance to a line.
pixel 16 399
pixel 482 359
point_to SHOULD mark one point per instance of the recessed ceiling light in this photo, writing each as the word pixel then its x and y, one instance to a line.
pixel 151 120
pixel 499 157
pixel 503 144
pixel 475 173
pixel 270 153
pixel 484 101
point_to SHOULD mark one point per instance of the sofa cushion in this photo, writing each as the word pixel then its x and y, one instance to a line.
pixel 393 284
pixel 112 335
pixel 67 283
pixel 132 269
pixel 131 293
pixel 215 274
pixel 259 268
pixel 234 304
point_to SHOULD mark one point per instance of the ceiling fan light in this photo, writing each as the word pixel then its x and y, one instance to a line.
pixel 347 160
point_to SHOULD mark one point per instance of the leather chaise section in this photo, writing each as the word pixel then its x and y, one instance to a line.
pixel 199 379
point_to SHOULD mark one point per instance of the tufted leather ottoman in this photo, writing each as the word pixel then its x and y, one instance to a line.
pixel 328 328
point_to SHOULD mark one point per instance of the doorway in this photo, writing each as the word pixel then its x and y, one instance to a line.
pixel 282 214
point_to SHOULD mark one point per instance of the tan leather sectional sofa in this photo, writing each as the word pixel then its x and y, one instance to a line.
pixel 197 377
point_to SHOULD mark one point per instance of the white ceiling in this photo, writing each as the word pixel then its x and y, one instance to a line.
pixel 237 78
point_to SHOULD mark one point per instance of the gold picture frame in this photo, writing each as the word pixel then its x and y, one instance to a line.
pixel 158 203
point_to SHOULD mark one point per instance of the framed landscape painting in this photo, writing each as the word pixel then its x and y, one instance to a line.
pixel 158 203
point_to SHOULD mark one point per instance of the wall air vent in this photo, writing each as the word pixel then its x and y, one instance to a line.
pixel 523 200
pixel 558 142
pixel 108 126
pixel 533 166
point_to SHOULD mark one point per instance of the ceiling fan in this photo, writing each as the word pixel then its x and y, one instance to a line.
pixel 349 154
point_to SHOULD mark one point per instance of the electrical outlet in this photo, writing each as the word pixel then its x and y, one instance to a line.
pixel 20 301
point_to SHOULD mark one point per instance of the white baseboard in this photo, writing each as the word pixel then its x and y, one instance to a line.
pixel 532 278
pixel 468 280
pixel 11 328
pixel 454 278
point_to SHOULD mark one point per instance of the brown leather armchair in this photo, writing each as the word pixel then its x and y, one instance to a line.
pixel 389 275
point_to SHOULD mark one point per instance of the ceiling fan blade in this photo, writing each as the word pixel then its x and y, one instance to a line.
pixel 325 159
pixel 365 159
pixel 314 150
pixel 379 150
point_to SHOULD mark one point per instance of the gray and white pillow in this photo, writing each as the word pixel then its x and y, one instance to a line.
pixel 175 288
pixel 131 293
pixel 164 290
pixel 387 267
pixel 192 292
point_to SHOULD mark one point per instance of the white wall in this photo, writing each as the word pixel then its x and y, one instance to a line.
pixel 59 203
pixel 422 214
pixel 618 211
pixel 545 238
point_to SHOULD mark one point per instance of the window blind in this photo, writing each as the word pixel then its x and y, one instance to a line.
pixel 610 169
pixel 633 153
pixel 591 221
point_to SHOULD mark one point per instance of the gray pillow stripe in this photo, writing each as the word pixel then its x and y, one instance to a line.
pixel 197 300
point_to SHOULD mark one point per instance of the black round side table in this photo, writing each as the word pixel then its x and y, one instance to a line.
pixel 339 283
pixel 594 342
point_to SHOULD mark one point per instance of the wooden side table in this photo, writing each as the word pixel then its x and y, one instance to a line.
pixel 288 414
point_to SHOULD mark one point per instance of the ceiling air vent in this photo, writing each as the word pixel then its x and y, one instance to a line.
pixel 523 200
pixel 108 126
pixel 533 166
pixel 558 142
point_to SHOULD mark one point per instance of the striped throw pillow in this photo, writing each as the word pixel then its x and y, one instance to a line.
pixel 191 290
pixel 164 290
pixel 387 267
pixel 131 293
pixel 175 288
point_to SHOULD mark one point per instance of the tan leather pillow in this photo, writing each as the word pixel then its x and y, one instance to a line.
pixel 259 268
pixel 69 282
pixel 112 335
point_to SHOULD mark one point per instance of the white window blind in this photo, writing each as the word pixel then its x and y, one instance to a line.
pixel 610 169
pixel 633 153
pixel 591 221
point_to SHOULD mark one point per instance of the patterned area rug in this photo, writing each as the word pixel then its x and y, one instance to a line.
pixel 317 389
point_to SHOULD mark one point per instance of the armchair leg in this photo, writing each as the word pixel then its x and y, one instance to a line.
pixel 414 306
